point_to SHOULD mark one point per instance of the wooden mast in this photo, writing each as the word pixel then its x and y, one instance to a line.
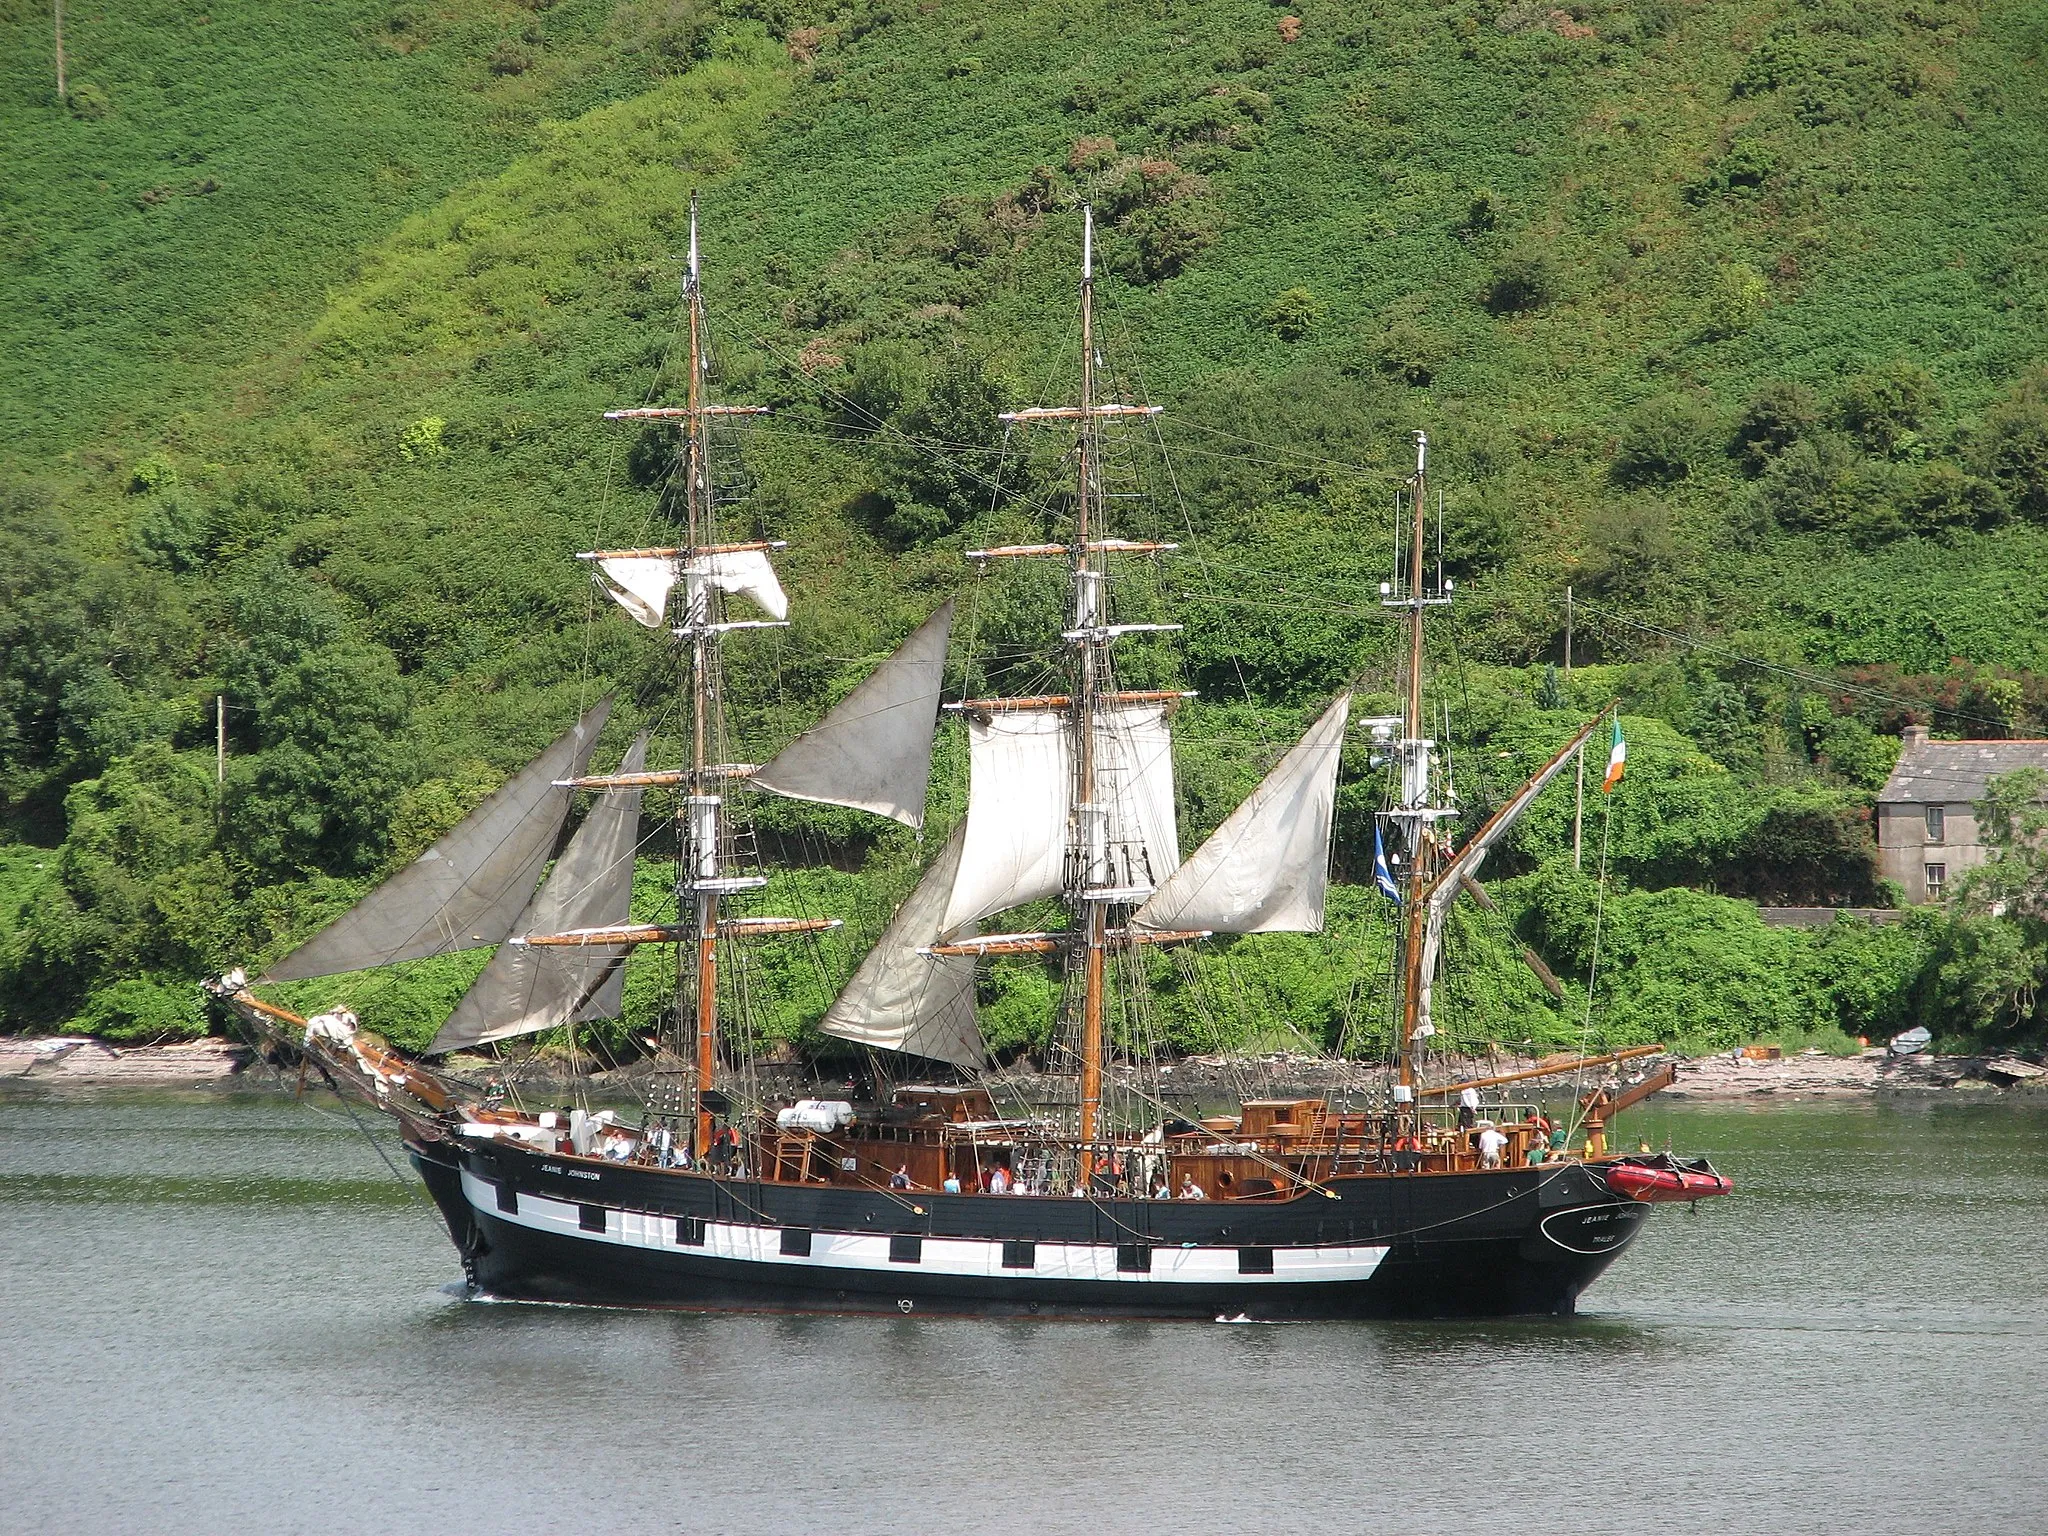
pixel 700 834
pixel 1421 856
pixel 1088 619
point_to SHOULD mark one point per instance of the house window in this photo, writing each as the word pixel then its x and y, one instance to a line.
pixel 1937 824
pixel 1937 877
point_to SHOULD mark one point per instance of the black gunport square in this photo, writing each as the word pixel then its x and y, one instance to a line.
pixel 690 1231
pixel 508 1199
pixel 1134 1258
pixel 796 1242
pixel 1019 1254
pixel 591 1217
pixel 906 1248
pixel 1255 1261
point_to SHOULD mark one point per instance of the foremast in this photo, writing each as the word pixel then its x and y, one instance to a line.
pixel 702 879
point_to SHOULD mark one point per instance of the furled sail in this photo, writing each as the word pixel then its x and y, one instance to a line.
pixel 901 1000
pixel 1267 868
pixel 873 751
pixel 641 584
pixel 526 987
pixel 1019 810
pixel 465 891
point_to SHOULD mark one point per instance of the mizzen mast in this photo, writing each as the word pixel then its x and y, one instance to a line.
pixel 1414 815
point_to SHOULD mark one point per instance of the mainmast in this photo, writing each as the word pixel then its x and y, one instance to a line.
pixel 701 832
pixel 1094 822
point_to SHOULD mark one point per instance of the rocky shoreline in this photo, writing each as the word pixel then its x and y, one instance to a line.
pixel 56 1064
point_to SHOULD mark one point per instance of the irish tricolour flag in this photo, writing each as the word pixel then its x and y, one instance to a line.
pixel 1617 760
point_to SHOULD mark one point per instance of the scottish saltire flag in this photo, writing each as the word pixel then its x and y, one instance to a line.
pixel 1617 760
pixel 1381 875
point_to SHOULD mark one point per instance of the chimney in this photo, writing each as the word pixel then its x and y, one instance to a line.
pixel 1913 736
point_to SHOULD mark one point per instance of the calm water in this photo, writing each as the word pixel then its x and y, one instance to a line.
pixel 225 1315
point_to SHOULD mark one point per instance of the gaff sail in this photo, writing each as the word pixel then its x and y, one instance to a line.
pixel 467 890
pixel 527 988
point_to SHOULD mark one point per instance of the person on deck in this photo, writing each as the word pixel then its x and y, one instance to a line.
pixel 1164 1190
pixel 1560 1140
pixel 952 1184
pixel 900 1179
pixel 1190 1190
pixel 1492 1143
pixel 1468 1108
pixel 999 1181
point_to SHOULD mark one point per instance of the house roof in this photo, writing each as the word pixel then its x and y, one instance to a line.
pixel 1938 772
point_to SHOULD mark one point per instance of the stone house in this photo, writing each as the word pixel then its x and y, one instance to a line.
pixel 1927 810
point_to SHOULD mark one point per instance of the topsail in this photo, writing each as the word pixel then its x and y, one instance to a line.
pixel 641 583
pixel 467 890
pixel 1020 815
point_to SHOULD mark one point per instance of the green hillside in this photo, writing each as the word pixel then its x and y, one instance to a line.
pixel 1728 316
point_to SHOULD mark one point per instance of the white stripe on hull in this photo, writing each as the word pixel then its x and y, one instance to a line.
pixel 980 1258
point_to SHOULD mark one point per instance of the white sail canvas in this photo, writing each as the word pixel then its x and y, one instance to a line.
pixel 873 752
pixel 901 1000
pixel 1267 868
pixel 526 987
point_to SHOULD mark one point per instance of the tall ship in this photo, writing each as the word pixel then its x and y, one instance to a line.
pixel 946 1185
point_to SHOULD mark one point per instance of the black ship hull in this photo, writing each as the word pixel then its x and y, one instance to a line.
pixel 1500 1243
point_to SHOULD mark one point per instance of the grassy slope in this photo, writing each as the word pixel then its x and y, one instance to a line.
pixel 517 305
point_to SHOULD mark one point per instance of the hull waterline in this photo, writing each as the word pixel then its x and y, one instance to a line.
pixel 1496 1244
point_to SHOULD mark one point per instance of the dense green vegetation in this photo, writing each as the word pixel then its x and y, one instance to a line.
pixel 1727 315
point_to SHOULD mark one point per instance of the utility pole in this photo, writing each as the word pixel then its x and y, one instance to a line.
pixel 63 95
pixel 1579 790
pixel 220 740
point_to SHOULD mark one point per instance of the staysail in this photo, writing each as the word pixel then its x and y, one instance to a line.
pixel 873 752
pixel 1019 812
pixel 1267 868
pixel 466 891
pixel 641 583
pixel 903 1000
pixel 528 987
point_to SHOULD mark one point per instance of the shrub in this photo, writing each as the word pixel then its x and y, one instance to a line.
pixel 423 441
pixel 1777 416
pixel 1410 352
pixel 2012 451
pixel 1887 408
pixel 88 101
pixel 1525 279
pixel 153 473
pixel 1292 315
pixel 1659 442
pixel 136 1010
pixel 1814 484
